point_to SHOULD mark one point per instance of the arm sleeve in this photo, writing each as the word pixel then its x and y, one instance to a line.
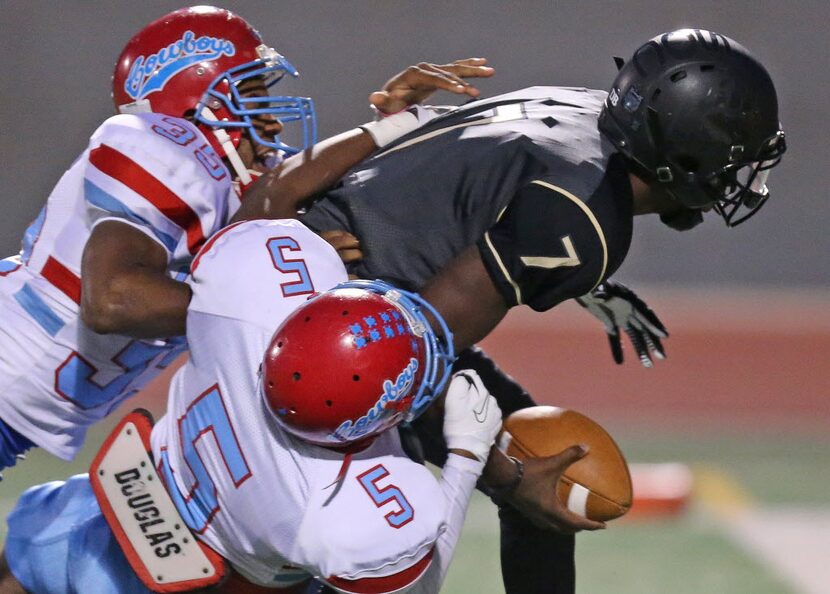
pixel 546 246
pixel 457 483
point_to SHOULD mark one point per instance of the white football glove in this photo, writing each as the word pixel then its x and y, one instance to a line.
pixel 472 417
pixel 617 306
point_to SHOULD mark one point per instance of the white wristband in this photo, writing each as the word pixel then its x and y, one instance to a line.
pixel 391 128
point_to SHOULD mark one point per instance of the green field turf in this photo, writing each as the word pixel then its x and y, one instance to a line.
pixel 689 554
pixel 684 556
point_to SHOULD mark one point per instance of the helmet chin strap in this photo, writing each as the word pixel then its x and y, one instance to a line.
pixel 242 172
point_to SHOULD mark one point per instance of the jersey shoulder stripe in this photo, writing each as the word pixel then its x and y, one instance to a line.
pixel 117 165
pixel 102 199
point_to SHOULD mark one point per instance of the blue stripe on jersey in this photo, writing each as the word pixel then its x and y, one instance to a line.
pixel 31 235
pixel 98 197
pixel 37 308
pixel 9 264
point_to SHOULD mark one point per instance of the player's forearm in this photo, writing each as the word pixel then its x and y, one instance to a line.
pixel 458 481
pixel 125 285
pixel 465 296
pixel 141 303
pixel 278 194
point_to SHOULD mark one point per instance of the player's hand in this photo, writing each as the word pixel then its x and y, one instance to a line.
pixel 346 244
pixel 535 496
pixel 472 417
pixel 619 308
pixel 418 82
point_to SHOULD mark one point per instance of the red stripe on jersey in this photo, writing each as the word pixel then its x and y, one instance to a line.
pixel 62 278
pixel 209 244
pixel 120 167
pixel 236 584
pixel 387 583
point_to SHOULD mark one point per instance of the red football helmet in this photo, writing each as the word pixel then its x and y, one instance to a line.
pixel 190 63
pixel 353 362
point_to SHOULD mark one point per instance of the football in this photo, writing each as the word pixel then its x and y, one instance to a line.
pixel 599 485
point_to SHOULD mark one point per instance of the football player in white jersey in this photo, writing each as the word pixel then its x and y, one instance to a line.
pixel 276 449
pixel 90 303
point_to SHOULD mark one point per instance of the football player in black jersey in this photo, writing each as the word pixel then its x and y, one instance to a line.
pixel 528 198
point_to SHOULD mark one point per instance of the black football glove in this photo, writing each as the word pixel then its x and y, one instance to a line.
pixel 617 306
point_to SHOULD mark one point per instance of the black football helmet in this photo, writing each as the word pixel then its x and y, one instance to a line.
pixel 697 113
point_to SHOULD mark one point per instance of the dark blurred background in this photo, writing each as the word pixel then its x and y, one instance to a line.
pixel 56 59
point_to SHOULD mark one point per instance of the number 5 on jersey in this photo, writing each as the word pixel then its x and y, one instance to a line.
pixel 390 493
pixel 280 248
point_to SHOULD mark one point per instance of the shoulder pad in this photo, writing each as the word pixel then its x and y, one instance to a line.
pixel 385 517
pixel 260 270
pixel 172 149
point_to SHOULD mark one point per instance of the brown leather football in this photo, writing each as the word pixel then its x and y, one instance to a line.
pixel 599 485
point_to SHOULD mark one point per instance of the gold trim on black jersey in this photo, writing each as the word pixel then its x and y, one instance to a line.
pixel 503 268
pixel 590 216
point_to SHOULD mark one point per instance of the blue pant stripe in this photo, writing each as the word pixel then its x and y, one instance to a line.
pixel 37 308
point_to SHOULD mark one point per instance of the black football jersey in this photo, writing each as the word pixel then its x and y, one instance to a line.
pixel 526 176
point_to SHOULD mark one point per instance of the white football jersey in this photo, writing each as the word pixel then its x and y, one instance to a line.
pixel 153 172
pixel 263 499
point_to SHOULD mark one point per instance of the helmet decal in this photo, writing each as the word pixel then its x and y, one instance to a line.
pixel 392 392
pixel 193 63
pixel 392 325
pixel 382 363
pixel 149 74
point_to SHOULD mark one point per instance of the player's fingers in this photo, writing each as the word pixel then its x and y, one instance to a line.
pixel 616 347
pixel 650 320
pixel 421 76
pixel 340 239
pixel 469 68
pixel 640 347
pixel 559 462
pixel 442 72
pixel 349 256
pixel 567 521
pixel 655 345
pixel 467 62
pixel 571 523
pixel 383 102
pixel 432 78
pixel 346 244
pixel 414 85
